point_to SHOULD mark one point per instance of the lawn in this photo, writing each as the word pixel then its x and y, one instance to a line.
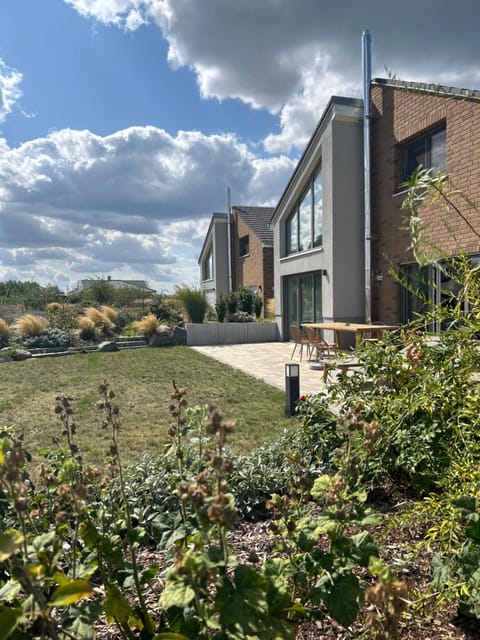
pixel 142 380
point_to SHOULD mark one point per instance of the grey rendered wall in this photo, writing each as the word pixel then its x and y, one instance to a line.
pixel 210 333
pixel 340 148
pixel 347 239
pixel 221 257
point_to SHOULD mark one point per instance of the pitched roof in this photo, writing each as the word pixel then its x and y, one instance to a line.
pixel 258 219
pixel 437 89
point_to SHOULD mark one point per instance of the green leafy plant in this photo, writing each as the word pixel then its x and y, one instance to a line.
pixel 221 307
pixel 49 338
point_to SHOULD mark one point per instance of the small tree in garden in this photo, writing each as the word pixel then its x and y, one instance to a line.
pixel 221 307
pixel 257 305
pixel 231 301
pixel 193 302
pixel 245 300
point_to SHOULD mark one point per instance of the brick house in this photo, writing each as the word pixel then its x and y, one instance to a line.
pixel 322 277
pixel 250 254
pixel 438 127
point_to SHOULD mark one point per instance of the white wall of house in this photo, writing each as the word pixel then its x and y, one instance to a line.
pixel 338 145
pixel 216 242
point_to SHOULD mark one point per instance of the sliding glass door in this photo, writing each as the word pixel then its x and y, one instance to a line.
pixel 303 295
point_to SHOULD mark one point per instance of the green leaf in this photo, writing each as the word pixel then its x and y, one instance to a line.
pixel 9 620
pixel 9 590
pixel 244 601
pixel 176 593
pixel 9 543
pixel 116 606
pixel 69 592
pixel 169 636
pixel 364 547
pixel 341 595
pixel 466 504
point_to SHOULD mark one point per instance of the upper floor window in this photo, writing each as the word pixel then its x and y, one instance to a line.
pixel 244 246
pixel 304 226
pixel 208 266
pixel 428 150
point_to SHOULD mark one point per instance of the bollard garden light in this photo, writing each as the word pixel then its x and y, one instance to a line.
pixel 292 387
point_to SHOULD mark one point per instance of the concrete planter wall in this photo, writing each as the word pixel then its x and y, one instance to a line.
pixel 210 333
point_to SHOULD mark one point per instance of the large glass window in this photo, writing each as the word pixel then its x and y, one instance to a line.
pixel 208 266
pixel 317 210
pixel 304 227
pixel 428 150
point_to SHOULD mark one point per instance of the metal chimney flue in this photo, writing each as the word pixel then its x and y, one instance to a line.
pixel 366 79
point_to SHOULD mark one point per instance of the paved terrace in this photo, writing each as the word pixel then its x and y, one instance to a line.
pixel 266 361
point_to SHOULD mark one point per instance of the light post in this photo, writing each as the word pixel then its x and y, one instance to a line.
pixel 292 387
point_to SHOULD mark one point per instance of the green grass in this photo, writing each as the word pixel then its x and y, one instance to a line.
pixel 142 380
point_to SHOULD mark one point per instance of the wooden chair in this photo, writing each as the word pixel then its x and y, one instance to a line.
pixel 319 344
pixel 300 340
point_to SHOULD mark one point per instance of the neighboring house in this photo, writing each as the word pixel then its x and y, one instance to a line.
pixel 439 128
pixel 116 284
pixel 214 258
pixel 318 225
pixel 319 222
pixel 250 254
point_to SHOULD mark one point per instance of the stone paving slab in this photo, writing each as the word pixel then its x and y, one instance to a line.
pixel 266 361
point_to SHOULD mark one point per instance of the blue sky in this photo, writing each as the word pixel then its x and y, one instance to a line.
pixel 123 121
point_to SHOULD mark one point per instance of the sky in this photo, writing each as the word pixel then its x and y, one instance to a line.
pixel 122 122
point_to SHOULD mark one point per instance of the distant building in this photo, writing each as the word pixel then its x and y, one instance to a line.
pixel 249 254
pixel 116 284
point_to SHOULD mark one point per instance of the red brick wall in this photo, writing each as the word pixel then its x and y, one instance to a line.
pixel 256 269
pixel 397 115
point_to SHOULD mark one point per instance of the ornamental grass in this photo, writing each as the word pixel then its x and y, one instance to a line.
pixel 110 313
pixel 148 325
pixel 4 330
pixel 30 325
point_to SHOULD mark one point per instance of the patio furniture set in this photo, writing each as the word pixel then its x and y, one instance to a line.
pixel 327 355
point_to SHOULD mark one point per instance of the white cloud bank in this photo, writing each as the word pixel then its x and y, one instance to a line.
pixel 134 202
pixel 10 80
pixel 290 57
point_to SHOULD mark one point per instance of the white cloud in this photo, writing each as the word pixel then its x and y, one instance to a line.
pixel 128 14
pixel 290 57
pixel 134 202
pixel 10 80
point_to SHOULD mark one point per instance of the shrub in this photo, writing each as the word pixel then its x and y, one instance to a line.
pixel 30 325
pixel 166 310
pixel 257 305
pixel 194 303
pixel 62 316
pixel 231 301
pixel 241 316
pixel 221 307
pixel 148 325
pixel 49 338
pixel 245 300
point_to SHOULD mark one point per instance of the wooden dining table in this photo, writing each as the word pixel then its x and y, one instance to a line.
pixel 360 330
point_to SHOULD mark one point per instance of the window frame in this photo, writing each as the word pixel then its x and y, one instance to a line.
pixel 241 246
pixel 294 219
pixel 424 137
pixel 208 269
